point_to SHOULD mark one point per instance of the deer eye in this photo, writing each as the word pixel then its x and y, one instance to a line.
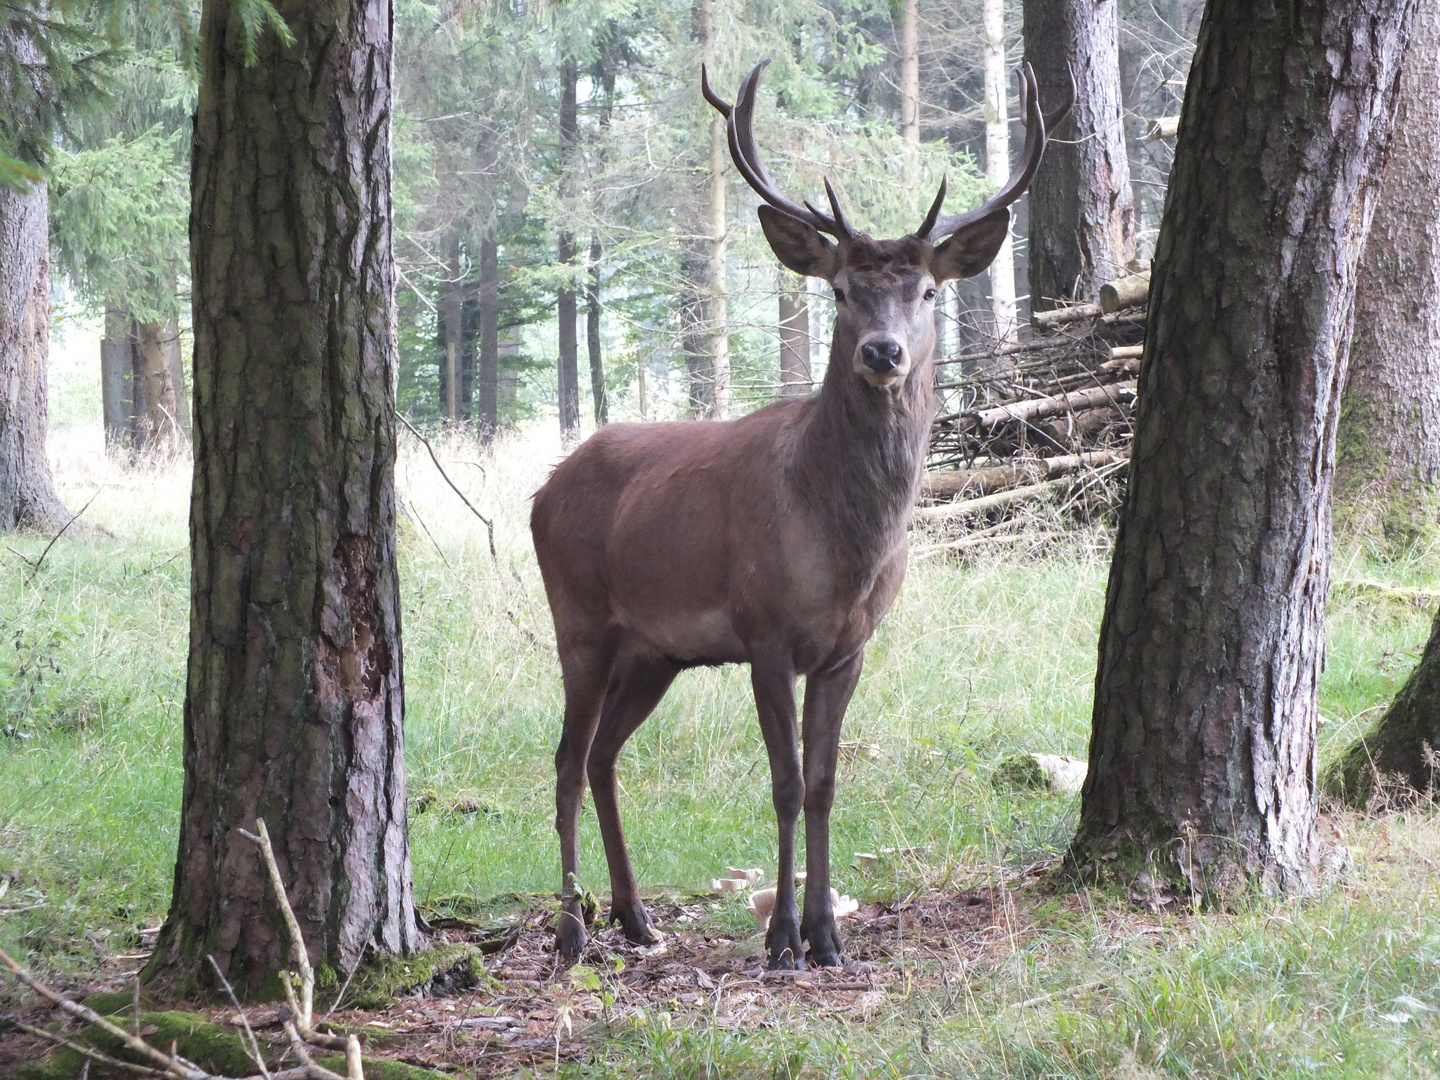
pixel 929 294
pixel 839 296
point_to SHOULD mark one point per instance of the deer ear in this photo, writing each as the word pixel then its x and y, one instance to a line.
pixel 972 249
pixel 798 245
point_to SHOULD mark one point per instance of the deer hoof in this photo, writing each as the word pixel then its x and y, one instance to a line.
pixel 636 924
pixel 785 950
pixel 826 948
pixel 570 936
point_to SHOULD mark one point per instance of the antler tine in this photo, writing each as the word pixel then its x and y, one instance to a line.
pixel 1052 120
pixel 722 106
pixel 844 226
pixel 1035 139
pixel 740 133
pixel 923 233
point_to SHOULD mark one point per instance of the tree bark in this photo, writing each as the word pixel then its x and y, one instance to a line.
pixel 569 364
pixel 717 328
pixel 794 336
pixel 294 701
pixel 451 327
pixel 592 335
pixel 1082 213
pixel 27 490
pixel 489 375
pixel 997 165
pixel 1388 455
pixel 157 426
pixel 175 361
pixel 1202 753
pixel 910 73
pixel 699 362
pixel 117 378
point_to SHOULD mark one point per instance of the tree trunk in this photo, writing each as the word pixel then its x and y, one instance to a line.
pixel 117 378
pixel 1388 456
pixel 157 427
pixel 27 491
pixel 1202 752
pixel 592 335
pixel 997 165
pixel 910 73
pixel 175 360
pixel 569 365
pixel 1082 214
pixel 794 336
pixel 699 362
pixel 294 702
pixel 716 314
pixel 451 327
pixel 489 337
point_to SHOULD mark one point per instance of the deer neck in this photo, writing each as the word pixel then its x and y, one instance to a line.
pixel 861 453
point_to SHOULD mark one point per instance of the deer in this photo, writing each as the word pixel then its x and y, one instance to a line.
pixel 777 539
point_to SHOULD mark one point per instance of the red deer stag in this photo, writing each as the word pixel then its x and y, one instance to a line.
pixel 776 540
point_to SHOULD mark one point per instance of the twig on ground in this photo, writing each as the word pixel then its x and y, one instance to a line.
pixel 487 522
pixel 1071 991
pixel 89 1053
pixel 73 518
pixel 255 1054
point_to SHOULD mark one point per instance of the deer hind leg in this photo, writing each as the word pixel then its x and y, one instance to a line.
pixel 636 687
pixel 585 667
pixel 774 685
pixel 827 694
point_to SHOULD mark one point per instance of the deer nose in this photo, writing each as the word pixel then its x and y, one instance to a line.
pixel 881 357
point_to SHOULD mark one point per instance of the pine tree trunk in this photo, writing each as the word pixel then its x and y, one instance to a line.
pixel 566 307
pixel 117 378
pixel 1388 456
pixel 1082 213
pixel 794 336
pixel 175 360
pixel 592 335
pixel 699 363
pixel 27 490
pixel 997 165
pixel 1202 753
pixel 489 375
pixel 451 328
pixel 716 318
pixel 294 701
pixel 158 426
pixel 910 73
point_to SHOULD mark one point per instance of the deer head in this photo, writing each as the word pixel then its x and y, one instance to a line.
pixel 884 289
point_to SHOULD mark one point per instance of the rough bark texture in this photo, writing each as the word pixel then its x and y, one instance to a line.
pixel 1388 455
pixel 910 72
pixel 1202 753
pixel 699 362
pixel 1082 213
pixel 27 490
pixel 716 311
pixel 175 363
pixel 569 363
pixel 592 335
pixel 489 299
pixel 293 705
pixel 794 336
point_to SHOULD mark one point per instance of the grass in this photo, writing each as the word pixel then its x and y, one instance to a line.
pixel 975 662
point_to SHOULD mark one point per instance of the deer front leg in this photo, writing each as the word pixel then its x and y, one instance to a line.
pixel 585 668
pixel 774 685
pixel 827 694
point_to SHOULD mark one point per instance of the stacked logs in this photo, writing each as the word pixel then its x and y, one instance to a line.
pixel 1048 416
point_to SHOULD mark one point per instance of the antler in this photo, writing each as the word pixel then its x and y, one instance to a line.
pixel 740 130
pixel 1037 127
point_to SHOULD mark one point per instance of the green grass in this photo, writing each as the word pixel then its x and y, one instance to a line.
pixel 975 662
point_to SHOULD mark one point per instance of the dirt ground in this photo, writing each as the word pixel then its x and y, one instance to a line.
pixel 526 1009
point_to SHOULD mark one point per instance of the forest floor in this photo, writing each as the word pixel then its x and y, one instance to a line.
pixel 965 960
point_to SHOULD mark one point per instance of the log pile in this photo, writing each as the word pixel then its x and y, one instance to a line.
pixel 1049 415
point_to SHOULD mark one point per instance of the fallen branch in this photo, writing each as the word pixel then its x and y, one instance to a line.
pixel 73 518
pixel 1063 315
pixel 989 502
pixel 1035 408
pixel 947 485
pixel 487 522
